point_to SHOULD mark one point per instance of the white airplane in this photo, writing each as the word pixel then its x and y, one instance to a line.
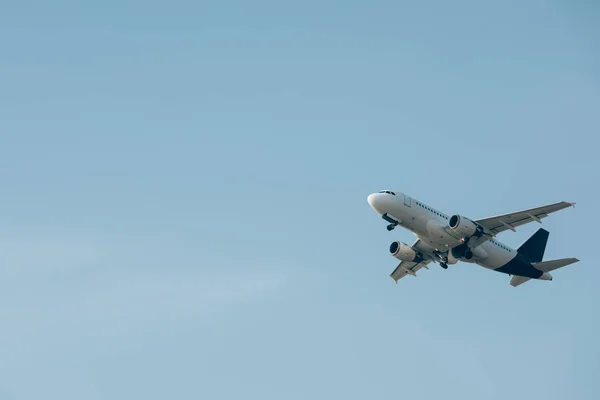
pixel 448 239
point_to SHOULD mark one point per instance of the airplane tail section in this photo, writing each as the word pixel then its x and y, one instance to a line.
pixel 535 246
pixel 533 249
pixel 545 267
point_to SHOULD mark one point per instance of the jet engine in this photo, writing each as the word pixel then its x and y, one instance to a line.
pixel 464 226
pixel 404 252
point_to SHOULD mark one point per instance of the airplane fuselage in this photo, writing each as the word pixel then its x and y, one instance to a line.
pixel 432 228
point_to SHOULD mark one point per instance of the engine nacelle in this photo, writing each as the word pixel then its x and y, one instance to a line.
pixel 463 226
pixel 404 252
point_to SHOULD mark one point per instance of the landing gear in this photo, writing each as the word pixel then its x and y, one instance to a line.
pixel 441 258
pixel 392 221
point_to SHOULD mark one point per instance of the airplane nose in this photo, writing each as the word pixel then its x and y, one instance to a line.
pixel 374 201
pixel 371 199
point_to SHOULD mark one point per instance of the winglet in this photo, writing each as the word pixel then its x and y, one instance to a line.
pixel 573 205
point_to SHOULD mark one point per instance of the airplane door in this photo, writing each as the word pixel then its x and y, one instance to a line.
pixel 406 201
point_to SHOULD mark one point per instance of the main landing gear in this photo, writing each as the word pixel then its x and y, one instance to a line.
pixel 442 259
pixel 391 227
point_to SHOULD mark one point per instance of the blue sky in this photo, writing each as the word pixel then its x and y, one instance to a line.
pixel 184 192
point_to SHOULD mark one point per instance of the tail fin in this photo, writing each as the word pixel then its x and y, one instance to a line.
pixel 535 246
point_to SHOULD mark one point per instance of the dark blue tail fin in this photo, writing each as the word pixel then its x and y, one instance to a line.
pixel 534 247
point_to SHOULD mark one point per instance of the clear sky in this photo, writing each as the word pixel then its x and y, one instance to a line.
pixel 183 198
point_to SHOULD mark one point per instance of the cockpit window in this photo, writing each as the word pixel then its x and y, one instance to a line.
pixel 388 192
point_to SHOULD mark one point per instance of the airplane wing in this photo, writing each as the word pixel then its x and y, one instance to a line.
pixel 410 268
pixel 504 222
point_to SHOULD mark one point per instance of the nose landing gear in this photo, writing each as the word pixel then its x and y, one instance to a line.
pixel 392 221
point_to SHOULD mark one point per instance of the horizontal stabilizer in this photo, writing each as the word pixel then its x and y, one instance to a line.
pixel 517 280
pixel 548 266
pixel 545 267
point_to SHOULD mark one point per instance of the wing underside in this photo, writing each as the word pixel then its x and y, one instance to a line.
pixel 501 223
pixel 409 267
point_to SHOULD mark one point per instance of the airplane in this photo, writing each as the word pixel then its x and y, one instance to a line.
pixel 448 239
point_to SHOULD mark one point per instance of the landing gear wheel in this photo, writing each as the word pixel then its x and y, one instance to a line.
pixel 444 265
pixel 391 227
